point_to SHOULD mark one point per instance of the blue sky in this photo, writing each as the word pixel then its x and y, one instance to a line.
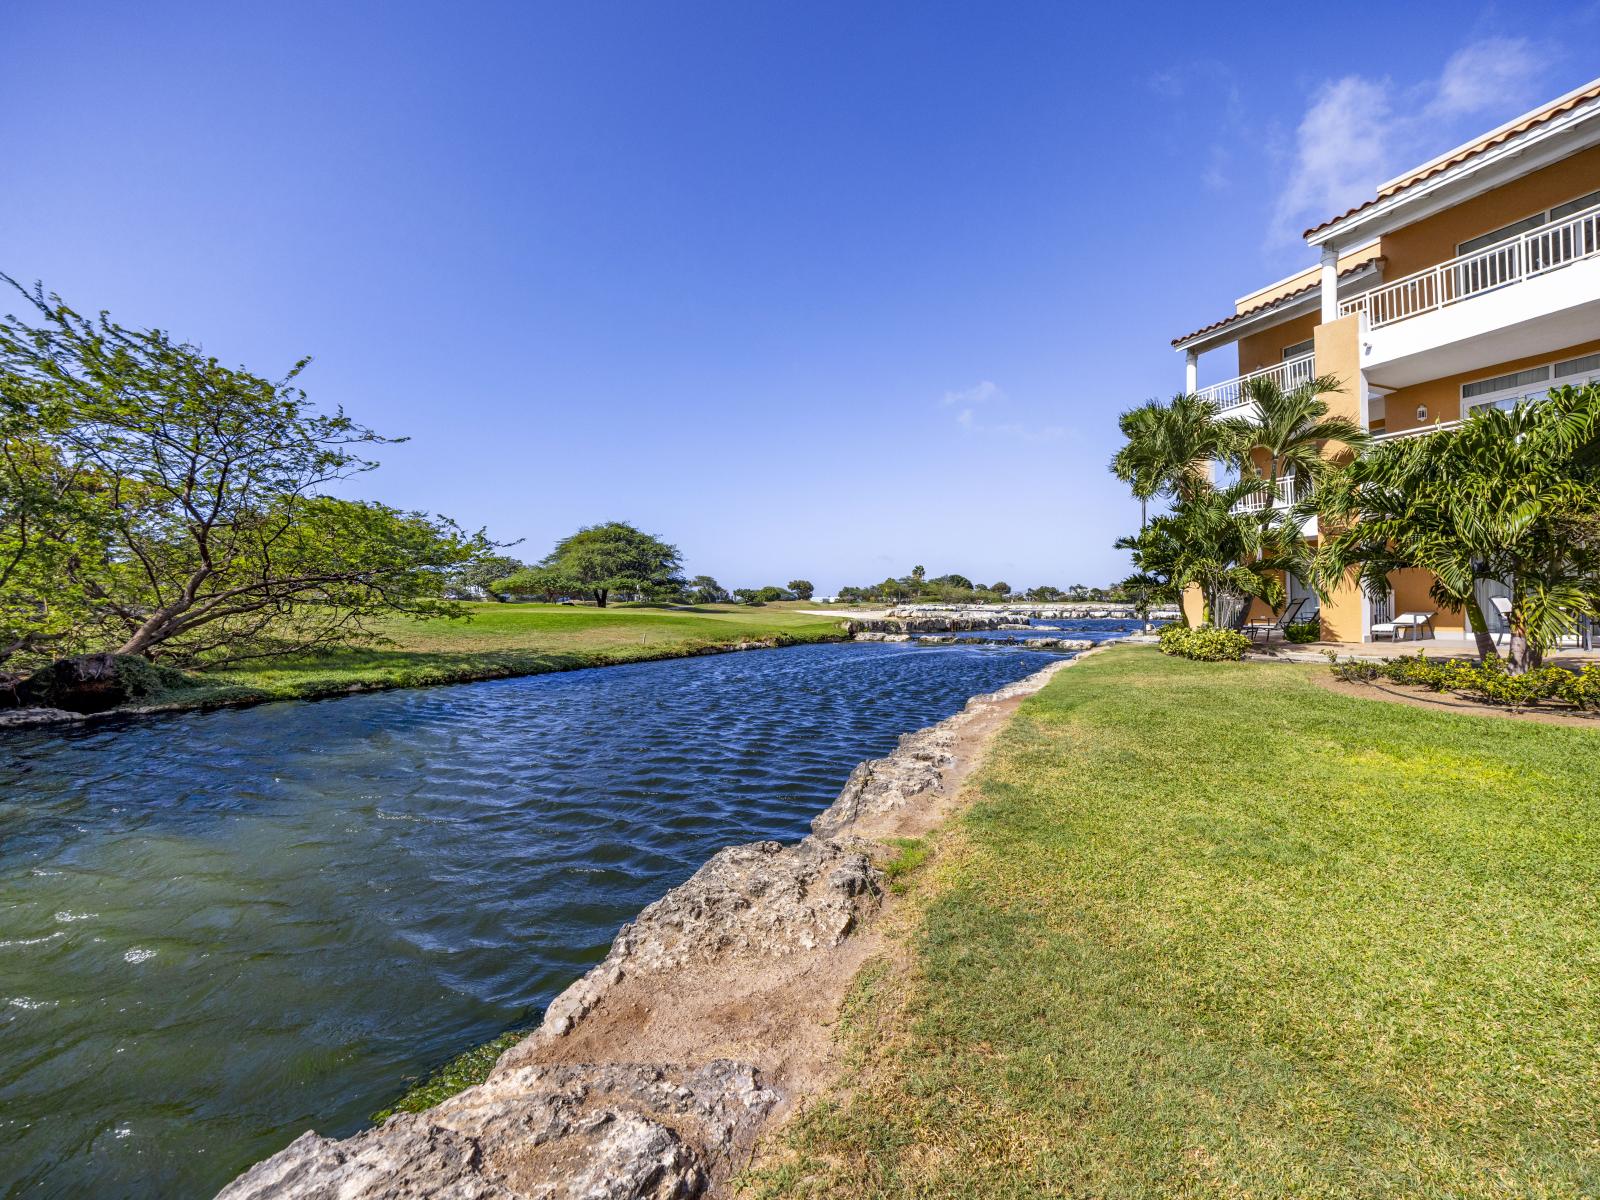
pixel 818 290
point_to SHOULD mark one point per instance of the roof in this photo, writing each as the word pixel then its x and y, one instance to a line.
pixel 1452 158
pixel 1287 297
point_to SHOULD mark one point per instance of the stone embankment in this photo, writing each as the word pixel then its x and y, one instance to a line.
pixel 950 639
pixel 932 623
pixel 651 1076
pixel 1019 612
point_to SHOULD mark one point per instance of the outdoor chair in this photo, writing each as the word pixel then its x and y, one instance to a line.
pixel 1284 620
pixel 1502 605
pixel 1416 622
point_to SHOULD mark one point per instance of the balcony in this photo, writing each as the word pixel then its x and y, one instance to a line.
pixel 1288 375
pixel 1289 491
pixel 1534 294
pixel 1503 264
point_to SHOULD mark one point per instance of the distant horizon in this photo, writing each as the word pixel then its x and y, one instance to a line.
pixel 819 293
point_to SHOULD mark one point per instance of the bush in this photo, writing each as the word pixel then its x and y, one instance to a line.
pixel 1582 688
pixel 1302 632
pixel 1205 644
pixel 1350 670
pixel 1490 682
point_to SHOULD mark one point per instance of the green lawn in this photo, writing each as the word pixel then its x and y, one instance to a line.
pixel 1209 930
pixel 509 639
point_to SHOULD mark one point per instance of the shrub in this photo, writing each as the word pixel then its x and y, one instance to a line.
pixel 1351 670
pixel 1492 682
pixel 1582 688
pixel 1417 671
pixel 1205 644
pixel 1302 632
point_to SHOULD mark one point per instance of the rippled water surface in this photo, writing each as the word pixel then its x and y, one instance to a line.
pixel 219 930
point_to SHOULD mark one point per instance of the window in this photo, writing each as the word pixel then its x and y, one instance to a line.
pixel 1589 365
pixel 1506 391
pixel 1298 349
pixel 1572 206
pixel 1527 223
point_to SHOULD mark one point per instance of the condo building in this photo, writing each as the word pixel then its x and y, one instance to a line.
pixel 1470 280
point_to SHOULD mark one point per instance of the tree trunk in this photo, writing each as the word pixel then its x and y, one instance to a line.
pixel 1480 628
pixel 600 597
pixel 1524 655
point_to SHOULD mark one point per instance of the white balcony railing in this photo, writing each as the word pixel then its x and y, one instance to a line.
pixel 1288 375
pixel 1288 492
pixel 1525 256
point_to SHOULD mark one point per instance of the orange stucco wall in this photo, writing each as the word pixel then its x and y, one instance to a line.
pixel 1194 606
pixel 1410 590
pixel 1264 348
pixel 1434 239
pixel 1442 397
pixel 1339 354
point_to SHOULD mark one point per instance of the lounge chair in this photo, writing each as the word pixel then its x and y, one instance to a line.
pixel 1283 621
pixel 1502 605
pixel 1416 622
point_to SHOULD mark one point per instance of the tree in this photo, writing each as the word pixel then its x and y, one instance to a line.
pixel 547 583
pixel 198 529
pixel 705 590
pixel 1213 542
pixel 1144 592
pixel 484 572
pixel 953 580
pixel 614 555
pixel 1509 495
pixel 1000 589
pixel 748 596
pixel 1291 431
pixel 918 572
pixel 801 588
pixel 1170 447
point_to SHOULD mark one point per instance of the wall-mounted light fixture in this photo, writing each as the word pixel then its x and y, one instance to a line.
pixel 1422 412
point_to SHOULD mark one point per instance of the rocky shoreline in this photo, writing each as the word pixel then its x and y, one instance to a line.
pixel 652 1075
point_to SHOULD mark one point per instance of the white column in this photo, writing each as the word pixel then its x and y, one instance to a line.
pixel 1330 284
pixel 1191 371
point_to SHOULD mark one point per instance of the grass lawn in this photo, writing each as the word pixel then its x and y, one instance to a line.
pixel 509 639
pixel 1210 930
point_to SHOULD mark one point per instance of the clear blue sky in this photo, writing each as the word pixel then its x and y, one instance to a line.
pixel 810 289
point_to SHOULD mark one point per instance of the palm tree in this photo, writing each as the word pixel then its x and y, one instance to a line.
pixel 1509 495
pixel 1291 430
pixel 1231 554
pixel 1170 448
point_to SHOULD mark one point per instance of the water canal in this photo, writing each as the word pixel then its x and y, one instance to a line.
pixel 222 929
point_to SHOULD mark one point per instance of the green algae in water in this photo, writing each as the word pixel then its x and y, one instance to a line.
pixel 457 1075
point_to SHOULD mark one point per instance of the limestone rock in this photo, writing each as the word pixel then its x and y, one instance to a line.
pixel 760 900
pixel 579 1132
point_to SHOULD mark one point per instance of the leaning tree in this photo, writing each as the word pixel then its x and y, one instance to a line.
pixel 196 526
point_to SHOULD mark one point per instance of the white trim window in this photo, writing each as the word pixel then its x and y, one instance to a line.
pixel 1527 223
pixel 1506 391
pixel 1299 349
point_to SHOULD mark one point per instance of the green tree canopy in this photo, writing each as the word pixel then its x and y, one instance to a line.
pixel 1509 495
pixel 194 525
pixel 485 571
pixel 604 558
pixel 801 588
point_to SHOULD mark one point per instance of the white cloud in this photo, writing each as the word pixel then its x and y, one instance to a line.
pixel 987 393
pixel 1359 130
pixel 1481 76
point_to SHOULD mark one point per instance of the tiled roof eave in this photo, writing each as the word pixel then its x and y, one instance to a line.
pixel 1465 155
pixel 1284 301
